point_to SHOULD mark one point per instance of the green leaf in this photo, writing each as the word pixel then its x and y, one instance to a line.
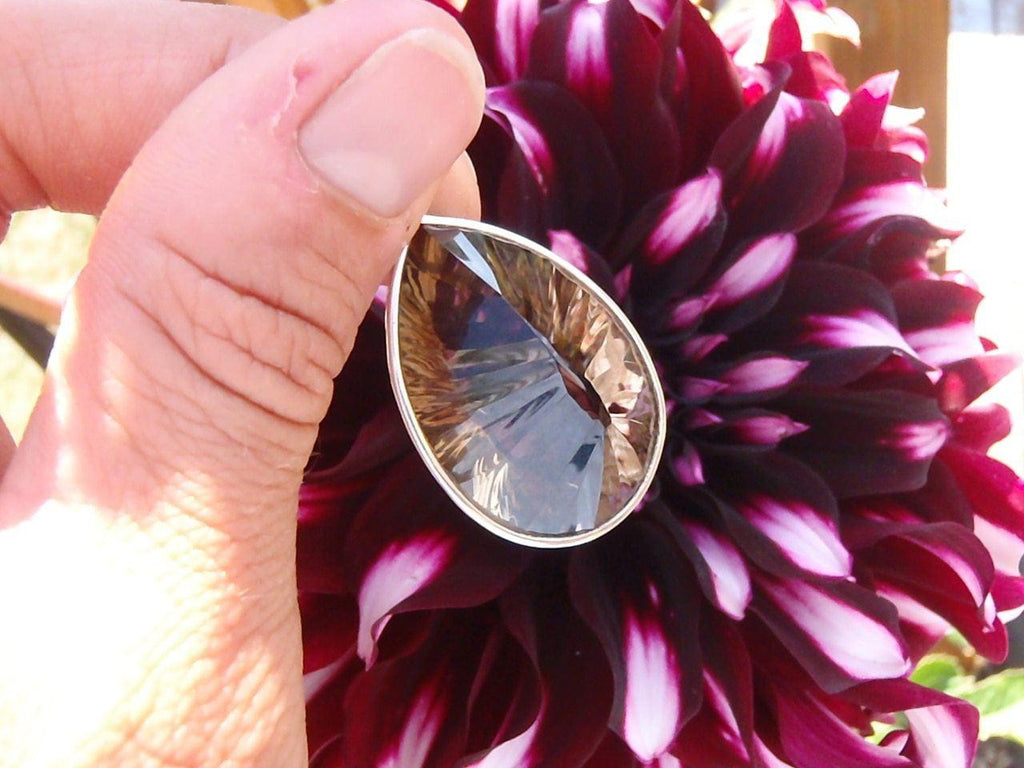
pixel 937 671
pixel 998 692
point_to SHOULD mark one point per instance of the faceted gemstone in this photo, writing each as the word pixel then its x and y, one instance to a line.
pixel 532 396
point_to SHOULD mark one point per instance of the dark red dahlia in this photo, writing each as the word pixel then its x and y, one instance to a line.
pixel 825 510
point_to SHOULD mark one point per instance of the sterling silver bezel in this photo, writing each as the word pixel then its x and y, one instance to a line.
pixel 465 503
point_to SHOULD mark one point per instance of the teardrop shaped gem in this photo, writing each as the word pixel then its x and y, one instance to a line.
pixel 525 389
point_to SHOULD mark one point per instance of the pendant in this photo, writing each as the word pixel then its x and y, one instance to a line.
pixel 525 389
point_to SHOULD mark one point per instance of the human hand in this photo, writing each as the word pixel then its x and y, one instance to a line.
pixel 148 519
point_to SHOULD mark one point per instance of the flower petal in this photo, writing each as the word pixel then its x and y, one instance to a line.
pixel 880 187
pixel 943 730
pixel 501 31
pixel 965 381
pixel 840 319
pixel 631 594
pixel 789 507
pixel 840 633
pixel 354 440
pixel 561 143
pixel 798 147
pixel 889 438
pixel 709 95
pixel 863 115
pixel 946 569
pixel 751 427
pixel 936 317
pixel 673 239
pixel 718 564
pixel 996 494
pixel 606 55
pixel 397 714
pixel 982 426
pixel 584 258
pixel 751 284
pixel 329 628
pixel 758 376
pixel 412 550
pixel 814 737
pixel 563 651
pixel 722 733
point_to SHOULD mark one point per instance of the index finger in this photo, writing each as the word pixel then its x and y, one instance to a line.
pixel 85 84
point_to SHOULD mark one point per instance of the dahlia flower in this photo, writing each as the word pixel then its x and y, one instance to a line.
pixel 826 509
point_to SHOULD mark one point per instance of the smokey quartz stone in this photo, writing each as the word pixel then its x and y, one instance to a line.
pixel 525 389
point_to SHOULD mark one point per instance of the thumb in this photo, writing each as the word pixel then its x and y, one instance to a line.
pixel 241 250
pixel 226 282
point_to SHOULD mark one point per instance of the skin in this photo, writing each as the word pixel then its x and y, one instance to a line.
pixel 147 521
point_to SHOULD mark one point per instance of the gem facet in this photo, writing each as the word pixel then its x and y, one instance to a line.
pixel 524 387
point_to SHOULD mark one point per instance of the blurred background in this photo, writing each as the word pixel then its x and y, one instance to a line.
pixel 961 60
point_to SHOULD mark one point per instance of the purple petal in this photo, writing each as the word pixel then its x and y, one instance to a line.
pixel 751 285
pixel 325 700
pixel 813 75
pixel 752 427
pixel 607 56
pixel 840 633
pixel 863 115
pixel 399 572
pixel 560 144
pixel 880 187
pixel 709 95
pixel 728 575
pixel 720 568
pixel 364 379
pixel 414 556
pixel 397 713
pixel 997 496
pixel 943 730
pixel 758 376
pixel 329 627
pixel 672 241
pixel 325 515
pixel 840 319
pixel 944 736
pixel 682 318
pixel 814 737
pixel 686 465
pixel 563 651
pixel 920 627
pixel 936 317
pixel 784 38
pixel 947 570
pixel 584 258
pixel 508 710
pixel 613 753
pixel 651 703
pixel 696 391
pixel 965 381
pixel 721 734
pixel 783 508
pixel 501 31
pixel 889 438
pixel 696 348
pixel 631 595
pixel 799 147
pixel 982 426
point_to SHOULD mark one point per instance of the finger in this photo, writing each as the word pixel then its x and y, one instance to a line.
pixel 85 84
pixel 7 447
pixel 458 194
pixel 228 275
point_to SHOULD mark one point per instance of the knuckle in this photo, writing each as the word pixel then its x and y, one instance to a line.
pixel 265 352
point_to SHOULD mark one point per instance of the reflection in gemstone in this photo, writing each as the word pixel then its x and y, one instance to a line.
pixel 530 393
